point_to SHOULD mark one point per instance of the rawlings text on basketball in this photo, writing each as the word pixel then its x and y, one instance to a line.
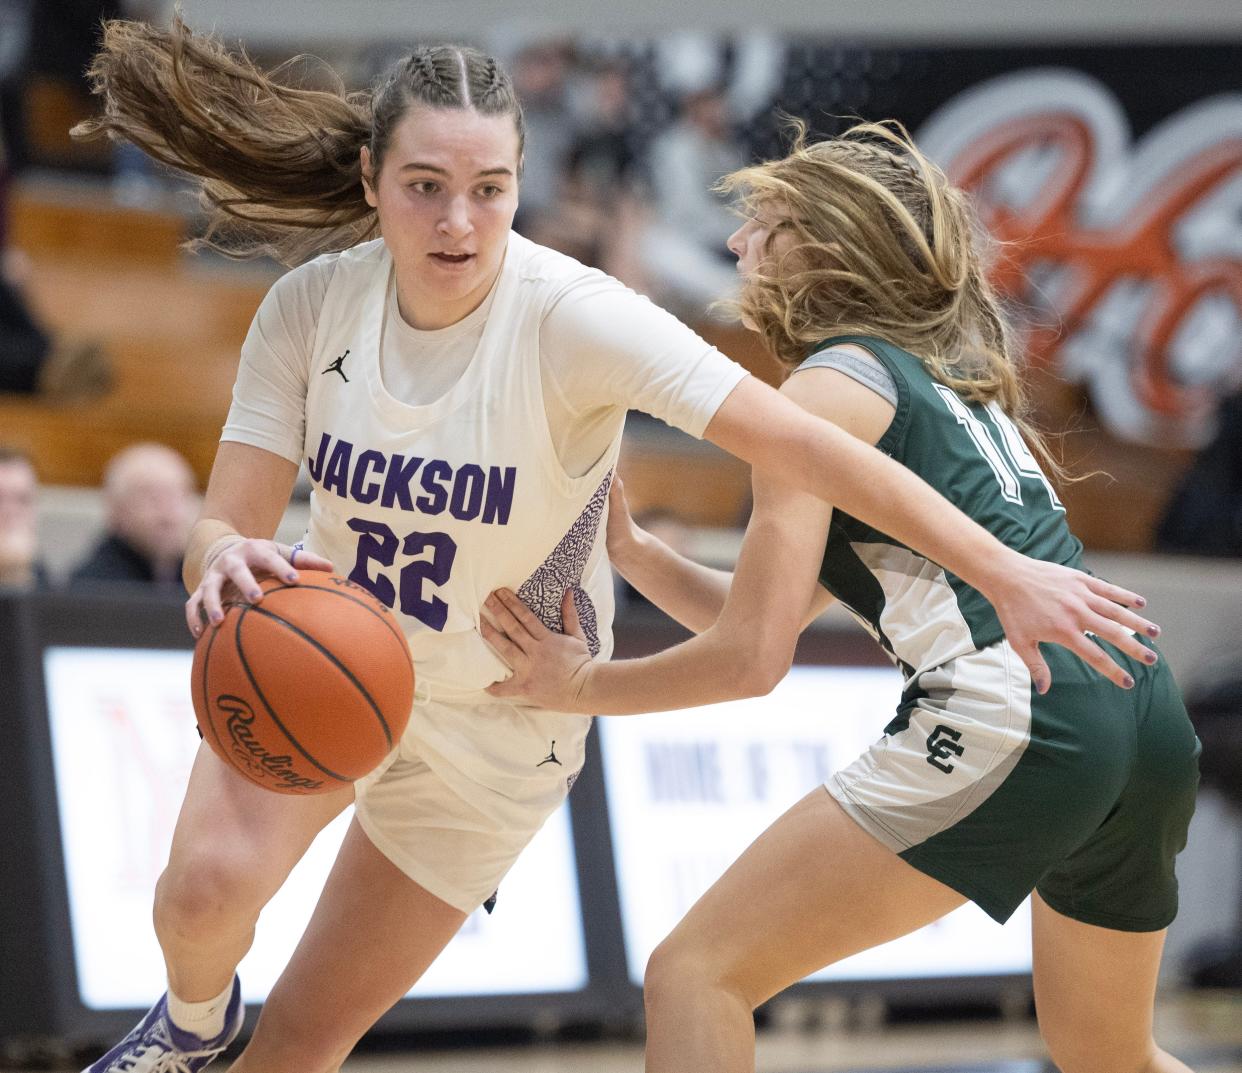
pixel 252 753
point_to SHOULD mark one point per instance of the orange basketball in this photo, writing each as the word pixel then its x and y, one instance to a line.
pixel 307 690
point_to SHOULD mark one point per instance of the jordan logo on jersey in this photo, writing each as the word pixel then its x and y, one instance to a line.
pixel 941 744
pixel 338 367
pixel 551 758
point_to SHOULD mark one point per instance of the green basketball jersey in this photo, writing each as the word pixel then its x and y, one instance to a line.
pixel 975 457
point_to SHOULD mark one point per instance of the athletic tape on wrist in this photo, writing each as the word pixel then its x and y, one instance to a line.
pixel 219 548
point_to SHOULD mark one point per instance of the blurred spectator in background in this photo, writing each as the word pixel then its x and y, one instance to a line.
pixel 1204 517
pixel 596 212
pixel 54 93
pixel 137 181
pixel 20 565
pixel 683 249
pixel 65 34
pixel 1215 706
pixel 31 362
pixel 151 502
pixel 540 76
pixel 60 43
pixel 15 22
pixel 601 154
pixel 24 346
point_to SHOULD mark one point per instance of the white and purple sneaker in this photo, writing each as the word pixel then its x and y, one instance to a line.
pixel 157 1045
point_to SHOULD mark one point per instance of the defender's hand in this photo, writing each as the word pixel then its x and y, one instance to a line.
pixel 622 532
pixel 549 669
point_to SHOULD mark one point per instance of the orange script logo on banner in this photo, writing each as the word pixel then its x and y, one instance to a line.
pixel 1126 256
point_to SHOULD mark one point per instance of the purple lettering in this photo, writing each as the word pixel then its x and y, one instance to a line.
pixel 316 467
pixel 337 469
pixel 398 480
pixel 369 492
pixel 434 474
pixel 467 493
pixel 499 495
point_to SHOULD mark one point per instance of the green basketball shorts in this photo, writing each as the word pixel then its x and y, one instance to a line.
pixel 1084 794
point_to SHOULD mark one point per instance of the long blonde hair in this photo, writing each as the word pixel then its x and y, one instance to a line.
pixel 884 246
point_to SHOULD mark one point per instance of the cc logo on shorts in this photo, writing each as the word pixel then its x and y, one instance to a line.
pixel 941 745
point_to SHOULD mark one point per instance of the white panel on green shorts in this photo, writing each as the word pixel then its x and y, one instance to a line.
pixel 898 794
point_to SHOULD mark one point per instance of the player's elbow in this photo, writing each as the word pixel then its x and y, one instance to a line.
pixel 765 668
pixel 750 655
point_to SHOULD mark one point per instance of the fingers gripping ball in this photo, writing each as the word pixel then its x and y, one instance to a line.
pixel 307 690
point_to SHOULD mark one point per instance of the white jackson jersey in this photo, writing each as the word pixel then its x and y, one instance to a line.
pixel 433 506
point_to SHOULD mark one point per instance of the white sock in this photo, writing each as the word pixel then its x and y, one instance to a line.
pixel 204 1019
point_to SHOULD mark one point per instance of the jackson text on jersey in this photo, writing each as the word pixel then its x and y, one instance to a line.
pixel 425 485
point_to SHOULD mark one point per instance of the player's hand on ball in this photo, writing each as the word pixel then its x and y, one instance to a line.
pixel 233 569
pixel 549 668
pixel 1039 601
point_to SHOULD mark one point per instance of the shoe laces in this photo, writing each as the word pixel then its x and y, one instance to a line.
pixel 158 1057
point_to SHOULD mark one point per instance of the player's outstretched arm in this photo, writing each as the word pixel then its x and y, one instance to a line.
pixel 744 653
pixel 688 592
pixel 1036 601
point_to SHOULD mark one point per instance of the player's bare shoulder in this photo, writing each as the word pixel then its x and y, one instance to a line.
pixel 843 399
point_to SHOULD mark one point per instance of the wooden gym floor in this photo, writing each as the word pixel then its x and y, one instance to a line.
pixel 1203 1029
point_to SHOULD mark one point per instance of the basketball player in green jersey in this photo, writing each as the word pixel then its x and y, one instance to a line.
pixel 863 276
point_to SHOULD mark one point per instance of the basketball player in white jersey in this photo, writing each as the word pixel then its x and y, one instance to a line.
pixel 457 394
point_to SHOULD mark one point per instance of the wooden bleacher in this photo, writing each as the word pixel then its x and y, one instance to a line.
pixel 171 325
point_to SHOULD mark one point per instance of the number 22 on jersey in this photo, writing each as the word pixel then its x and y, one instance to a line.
pixel 378 543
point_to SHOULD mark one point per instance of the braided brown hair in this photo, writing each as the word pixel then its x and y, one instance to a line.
pixel 277 163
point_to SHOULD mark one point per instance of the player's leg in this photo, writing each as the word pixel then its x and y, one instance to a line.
pixel 812 889
pixel 1094 993
pixel 419 857
pixel 1100 914
pixel 233 847
pixel 373 934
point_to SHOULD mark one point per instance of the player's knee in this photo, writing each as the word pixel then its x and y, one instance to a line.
pixel 678 968
pixel 671 971
pixel 198 898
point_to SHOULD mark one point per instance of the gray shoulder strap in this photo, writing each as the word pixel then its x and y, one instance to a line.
pixel 868 373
